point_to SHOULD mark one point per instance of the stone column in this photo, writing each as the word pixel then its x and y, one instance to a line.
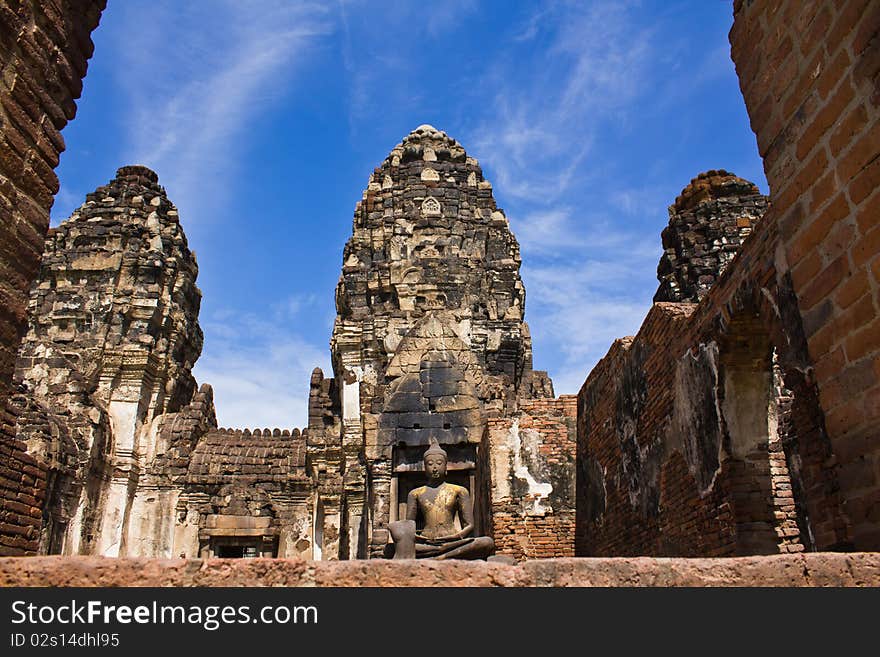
pixel 381 507
pixel 354 473
pixel 129 376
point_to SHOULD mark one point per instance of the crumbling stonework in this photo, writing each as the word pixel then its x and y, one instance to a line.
pixel 429 342
pixel 113 334
pixel 109 408
pixel 246 494
pixel 44 50
pixel 707 224
pixel 684 456
pixel 702 432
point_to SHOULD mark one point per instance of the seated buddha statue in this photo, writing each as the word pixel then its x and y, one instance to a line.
pixel 436 504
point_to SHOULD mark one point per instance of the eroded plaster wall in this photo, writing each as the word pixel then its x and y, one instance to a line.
pixel 532 477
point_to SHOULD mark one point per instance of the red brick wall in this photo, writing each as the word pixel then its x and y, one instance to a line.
pixel 44 48
pixel 22 491
pixel 658 472
pixel 521 528
pixel 809 72
pixel 635 493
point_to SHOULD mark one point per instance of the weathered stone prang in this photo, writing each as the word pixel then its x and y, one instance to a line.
pixel 707 224
pixel 112 338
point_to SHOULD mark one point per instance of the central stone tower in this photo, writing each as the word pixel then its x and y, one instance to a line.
pixel 429 342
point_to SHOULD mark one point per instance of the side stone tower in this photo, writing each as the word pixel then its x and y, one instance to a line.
pixel 707 224
pixel 112 338
pixel 429 341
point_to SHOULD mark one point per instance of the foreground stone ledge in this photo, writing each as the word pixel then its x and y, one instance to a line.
pixel 816 569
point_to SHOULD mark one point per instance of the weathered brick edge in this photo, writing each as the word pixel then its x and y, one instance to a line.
pixel 810 74
pixel 815 569
pixel 807 279
pixel 44 50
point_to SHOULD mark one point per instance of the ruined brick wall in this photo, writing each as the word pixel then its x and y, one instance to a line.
pixel 784 345
pixel 636 494
pixel 707 224
pixel 532 479
pixel 22 493
pixel 702 435
pixel 44 49
pixel 178 436
pixel 809 76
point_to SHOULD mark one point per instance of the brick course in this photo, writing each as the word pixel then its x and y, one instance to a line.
pixel 44 50
pixel 822 134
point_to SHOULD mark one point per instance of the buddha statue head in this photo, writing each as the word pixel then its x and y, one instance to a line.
pixel 435 460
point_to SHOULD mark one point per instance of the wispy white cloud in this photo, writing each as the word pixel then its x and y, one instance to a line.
pixel 196 79
pixel 259 368
pixel 580 308
pixel 565 232
pixel 532 27
pixel 545 119
pixel 588 266
pixel 545 231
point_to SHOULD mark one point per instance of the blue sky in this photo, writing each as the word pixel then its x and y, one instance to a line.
pixel 265 118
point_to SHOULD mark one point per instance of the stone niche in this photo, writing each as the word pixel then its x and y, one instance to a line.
pixel 435 402
pixel 238 536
